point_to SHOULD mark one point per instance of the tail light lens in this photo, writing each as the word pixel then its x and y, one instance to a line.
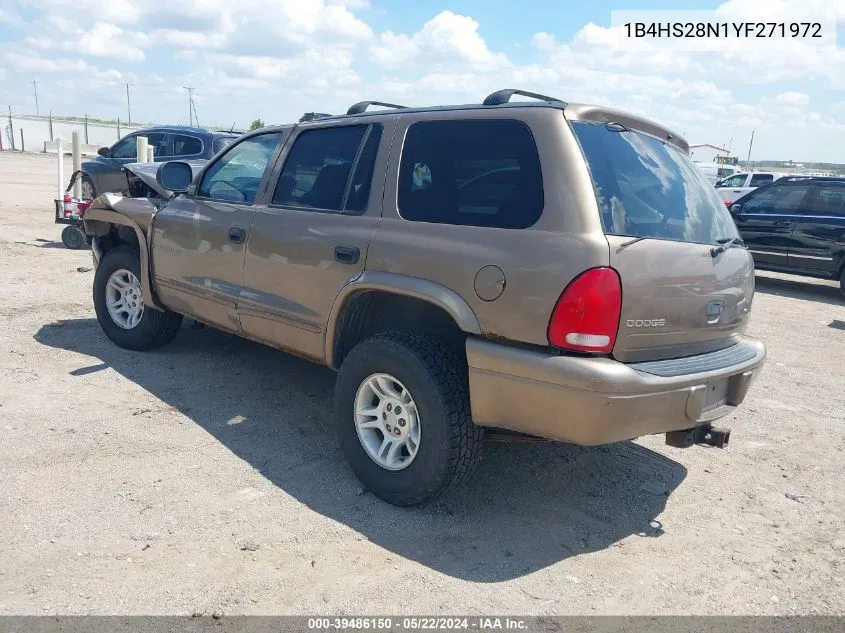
pixel 586 317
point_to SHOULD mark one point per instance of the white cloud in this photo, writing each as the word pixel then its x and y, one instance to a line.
pixel 448 38
pixel 792 98
pixel 39 64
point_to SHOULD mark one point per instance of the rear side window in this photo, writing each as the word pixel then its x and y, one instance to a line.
pixel 471 172
pixel 186 145
pixel 735 181
pixel 830 201
pixel 648 188
pixel 330 169
pixel 758 180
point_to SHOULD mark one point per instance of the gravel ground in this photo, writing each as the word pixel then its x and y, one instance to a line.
pixel 204 478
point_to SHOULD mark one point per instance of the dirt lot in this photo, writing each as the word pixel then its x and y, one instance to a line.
pixel 203 477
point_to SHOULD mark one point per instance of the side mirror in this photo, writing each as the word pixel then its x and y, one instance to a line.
pixel 736 209
pixel 104 151
pixel 175 176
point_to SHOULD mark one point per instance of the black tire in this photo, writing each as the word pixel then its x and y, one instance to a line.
pixel 842 281
pixel 74 238
pixel 86 181
pixel 155 327
pixel 436 376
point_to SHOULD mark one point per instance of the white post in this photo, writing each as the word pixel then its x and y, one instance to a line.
pixel 61 179
pixel 151 154
pixel 77 163
pixel 142 149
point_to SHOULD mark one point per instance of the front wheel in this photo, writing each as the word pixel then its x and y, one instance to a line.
pixel 119 304
pixel 403 414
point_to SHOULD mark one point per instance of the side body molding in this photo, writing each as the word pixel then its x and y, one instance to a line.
pixel 405 285
pixel 111 209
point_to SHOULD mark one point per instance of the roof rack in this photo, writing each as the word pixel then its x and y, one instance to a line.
pixel 362 106
pixel 504 96
pixel 312 116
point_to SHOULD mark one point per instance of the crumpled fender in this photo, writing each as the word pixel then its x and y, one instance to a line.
pixel 111 209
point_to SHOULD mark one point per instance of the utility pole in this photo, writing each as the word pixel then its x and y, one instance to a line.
pixel 35 89
pixel 190 90
pixel 128 105
pixel 750 143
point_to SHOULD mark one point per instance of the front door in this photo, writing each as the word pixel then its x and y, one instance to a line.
pixel 199 238
pixel 311 239
pixel 820 232
pixel 766 220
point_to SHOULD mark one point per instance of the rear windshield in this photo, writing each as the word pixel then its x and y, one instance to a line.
pixel 222 142
pixel 648 188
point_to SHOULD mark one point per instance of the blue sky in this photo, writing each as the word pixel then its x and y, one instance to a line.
pixel 275 59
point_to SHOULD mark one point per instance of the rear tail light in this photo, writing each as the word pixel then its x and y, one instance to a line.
pixel 586 317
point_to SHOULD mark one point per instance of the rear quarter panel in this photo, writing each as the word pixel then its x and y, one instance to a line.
pixel 537 262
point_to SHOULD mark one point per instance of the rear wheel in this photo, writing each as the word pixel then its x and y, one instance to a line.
pixel 403 414
pixel 119 304
pixel 842 281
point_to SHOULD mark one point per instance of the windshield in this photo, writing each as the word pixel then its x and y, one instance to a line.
pixel 648 188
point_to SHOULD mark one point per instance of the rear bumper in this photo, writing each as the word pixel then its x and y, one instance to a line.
pixel 593 401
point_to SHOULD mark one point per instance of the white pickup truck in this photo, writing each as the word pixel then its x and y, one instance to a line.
pixel 734 187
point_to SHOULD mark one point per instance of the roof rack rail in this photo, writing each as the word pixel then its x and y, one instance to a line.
pixel 362 106
pixel 504 96
pixel 312 116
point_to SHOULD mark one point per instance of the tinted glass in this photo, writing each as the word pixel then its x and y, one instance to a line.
pixel 362 179
pixel 777 199
pixel 222 143
pixel 316 172
pixel 648 188
pixel 829 201
pixel 758 180
pixel 236 176
pixel 186 145
pixel 476 173
pixel 128 147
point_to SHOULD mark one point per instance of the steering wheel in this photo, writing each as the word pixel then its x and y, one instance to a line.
pixel 228 184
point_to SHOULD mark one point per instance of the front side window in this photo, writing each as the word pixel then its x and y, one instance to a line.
pixel 330 169
pixel 471 172
pixel 236 175
pixel 186 145
pixel 128 147
pixel 649 188
pixel 776 200
pixel 734 181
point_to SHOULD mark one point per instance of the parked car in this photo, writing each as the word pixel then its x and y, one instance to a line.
pixel 105 173
pixel 734 187
pixel 589 290
pixel 796 225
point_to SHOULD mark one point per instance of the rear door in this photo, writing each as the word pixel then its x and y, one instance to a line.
pixel 818 241
pixel 311 237
pixel 766 219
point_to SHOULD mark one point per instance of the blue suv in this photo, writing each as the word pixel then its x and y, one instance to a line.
pixel 105 173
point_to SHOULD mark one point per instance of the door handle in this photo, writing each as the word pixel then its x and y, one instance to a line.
pixel 237 235
pixel 782 222
pixel 347 254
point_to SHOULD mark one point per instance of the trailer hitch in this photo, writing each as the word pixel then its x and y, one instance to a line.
pixel 705 435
